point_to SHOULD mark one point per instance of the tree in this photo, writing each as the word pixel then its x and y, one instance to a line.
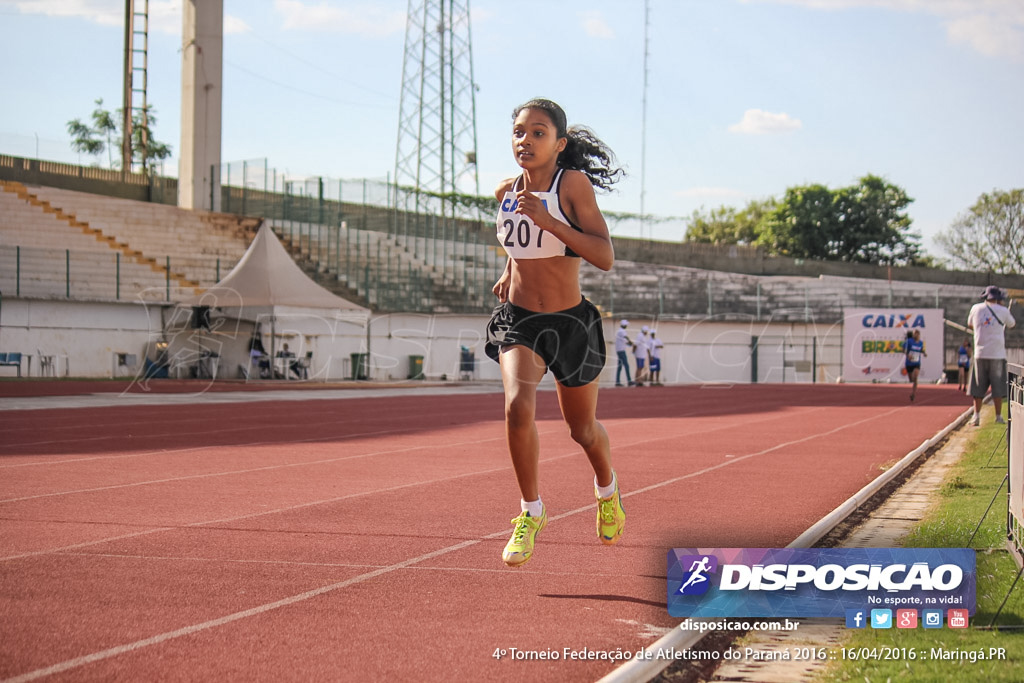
pixel 83 139
pixel 727 225
pixel 96 138
pixel 717 226
pixel 802 225
pixel 875 226
pixel 751 219
pixel 989 235
pixel 863 223
pixel 145 148
pixel 105 134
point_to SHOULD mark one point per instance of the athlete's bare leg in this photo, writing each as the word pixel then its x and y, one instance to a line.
pixel 579 410
pixel 521 372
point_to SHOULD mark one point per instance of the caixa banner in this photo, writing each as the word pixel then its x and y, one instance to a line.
pixel 816 582
pixel 874 343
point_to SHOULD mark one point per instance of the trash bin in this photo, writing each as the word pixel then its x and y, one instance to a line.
pixel 359 366
pixel 415 367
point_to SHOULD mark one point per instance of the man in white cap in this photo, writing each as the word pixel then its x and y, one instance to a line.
pixel 621 342
pixel 989 321
pixel 640 355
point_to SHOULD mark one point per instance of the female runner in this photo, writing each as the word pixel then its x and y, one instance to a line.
pixel 548 220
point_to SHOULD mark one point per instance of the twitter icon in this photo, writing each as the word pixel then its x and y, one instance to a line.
pixel 881 618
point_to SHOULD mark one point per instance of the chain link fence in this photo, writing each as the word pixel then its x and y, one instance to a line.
pixel 398 250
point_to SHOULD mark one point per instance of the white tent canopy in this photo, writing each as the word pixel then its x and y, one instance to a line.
pixel 267 284
pixel 266 278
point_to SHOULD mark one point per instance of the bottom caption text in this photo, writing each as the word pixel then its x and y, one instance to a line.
pixel 753 654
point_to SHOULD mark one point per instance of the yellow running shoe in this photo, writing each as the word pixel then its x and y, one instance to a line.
pixel 519 548
pixel 611 518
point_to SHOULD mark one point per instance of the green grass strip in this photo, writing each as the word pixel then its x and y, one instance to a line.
pixel 952 654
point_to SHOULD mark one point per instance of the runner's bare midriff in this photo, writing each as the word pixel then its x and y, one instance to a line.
pixel 545 285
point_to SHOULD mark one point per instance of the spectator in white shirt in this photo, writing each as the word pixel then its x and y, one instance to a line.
pixel 656 347
pixel 989 321
pixel 641 355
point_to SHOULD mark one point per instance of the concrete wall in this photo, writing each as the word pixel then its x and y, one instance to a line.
pixel 85 337
pixel 98 181
pixel 90 338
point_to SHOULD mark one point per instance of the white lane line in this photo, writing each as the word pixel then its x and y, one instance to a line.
pixel 228 473
pixel 633 422
pixel 260 609
pixel 86 544
pixel 207 447
pixel 108 400
pixel 69 664
pixel 339 565
pixel 290 508
pixel 212 432
pixel 264 468
pixel 147 422
pixel 51 461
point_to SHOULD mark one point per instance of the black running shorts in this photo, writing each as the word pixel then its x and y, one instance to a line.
pixel 570 342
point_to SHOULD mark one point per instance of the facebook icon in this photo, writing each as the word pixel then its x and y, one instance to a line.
pixel 855 618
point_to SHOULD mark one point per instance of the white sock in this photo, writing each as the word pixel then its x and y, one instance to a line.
pixel 534 507
pixel 606 491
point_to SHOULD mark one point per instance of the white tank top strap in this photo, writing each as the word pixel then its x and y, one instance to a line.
pixel 556 182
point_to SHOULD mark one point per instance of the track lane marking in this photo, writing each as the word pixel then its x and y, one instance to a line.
pixel 307 595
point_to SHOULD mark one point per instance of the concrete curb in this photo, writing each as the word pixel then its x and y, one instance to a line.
pixel 640 670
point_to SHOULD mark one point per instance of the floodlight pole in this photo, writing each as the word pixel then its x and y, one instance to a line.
pixel 202 78
pixel 126 106
pixel 643 123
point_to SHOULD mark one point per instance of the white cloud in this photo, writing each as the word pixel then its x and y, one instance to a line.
pixel 234 25
pixel 759 122
pixel 365 19
pixel 164 15
pixel 988 35
pixel 992 27
pixel 102 12
pixel 479 14
pixel 595 26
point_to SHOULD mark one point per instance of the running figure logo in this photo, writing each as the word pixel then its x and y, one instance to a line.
pixel 696 581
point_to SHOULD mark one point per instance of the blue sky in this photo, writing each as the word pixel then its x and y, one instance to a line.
pixel 744 98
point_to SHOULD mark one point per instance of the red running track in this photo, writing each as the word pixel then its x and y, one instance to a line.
pixel 360 539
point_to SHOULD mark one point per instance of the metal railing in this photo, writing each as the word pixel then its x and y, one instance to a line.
pixel 396 249
pixel 35 272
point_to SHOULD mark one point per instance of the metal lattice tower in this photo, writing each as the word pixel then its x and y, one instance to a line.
pixel 436 149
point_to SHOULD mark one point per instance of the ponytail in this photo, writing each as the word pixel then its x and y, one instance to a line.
pixel 583 151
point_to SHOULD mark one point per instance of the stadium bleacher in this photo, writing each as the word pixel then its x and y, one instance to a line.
pixel 57 242
pixel 78 245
